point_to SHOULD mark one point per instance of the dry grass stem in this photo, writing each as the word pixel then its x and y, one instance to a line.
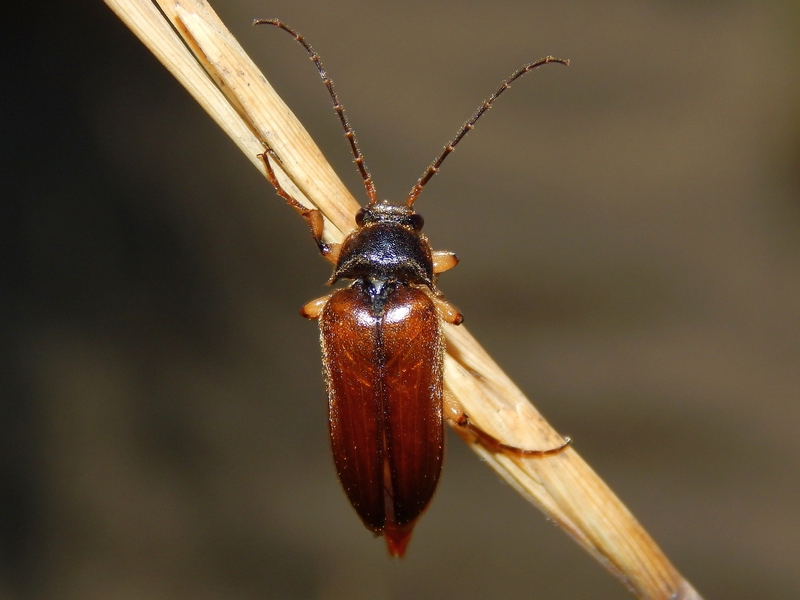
pixel 209 62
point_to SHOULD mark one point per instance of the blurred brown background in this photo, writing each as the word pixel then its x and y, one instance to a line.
pixel 629 230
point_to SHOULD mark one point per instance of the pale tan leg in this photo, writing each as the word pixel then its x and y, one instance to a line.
pixel 454 413
pixel 311 216
pixel 448 312
pixel 443 261
pixel 313 309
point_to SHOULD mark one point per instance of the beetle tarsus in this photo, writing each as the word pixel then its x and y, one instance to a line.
pixel 492 444
pixel 311 216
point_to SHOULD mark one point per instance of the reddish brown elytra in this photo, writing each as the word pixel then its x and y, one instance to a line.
pixel 383 345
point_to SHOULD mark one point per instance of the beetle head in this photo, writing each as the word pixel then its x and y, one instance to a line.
pixel 388 212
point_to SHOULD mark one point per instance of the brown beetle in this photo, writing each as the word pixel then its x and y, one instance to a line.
pixel 383 345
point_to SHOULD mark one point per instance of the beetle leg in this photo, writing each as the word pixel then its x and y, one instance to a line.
pixel 447 311
pixel 443 260
pixel 457 417
pixel 313 309
pixel 312 216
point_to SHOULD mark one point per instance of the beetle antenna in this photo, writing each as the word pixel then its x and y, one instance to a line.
pixel 369 184
pixel 434 166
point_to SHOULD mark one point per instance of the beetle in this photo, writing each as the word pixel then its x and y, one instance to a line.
pixel 383 343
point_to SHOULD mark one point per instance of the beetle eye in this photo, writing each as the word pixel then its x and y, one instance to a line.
pixel 417 221
pixel 360 216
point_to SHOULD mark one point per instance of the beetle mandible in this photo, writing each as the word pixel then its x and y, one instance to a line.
pixel 383 344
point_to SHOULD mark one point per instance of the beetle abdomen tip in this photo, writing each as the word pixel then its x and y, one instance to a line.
pixel 397 538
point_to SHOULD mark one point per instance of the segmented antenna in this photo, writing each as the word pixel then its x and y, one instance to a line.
pixel 348 131
pixel 434 166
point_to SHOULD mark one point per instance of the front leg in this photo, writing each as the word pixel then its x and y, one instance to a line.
pixel 311 216
pixel 443 260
